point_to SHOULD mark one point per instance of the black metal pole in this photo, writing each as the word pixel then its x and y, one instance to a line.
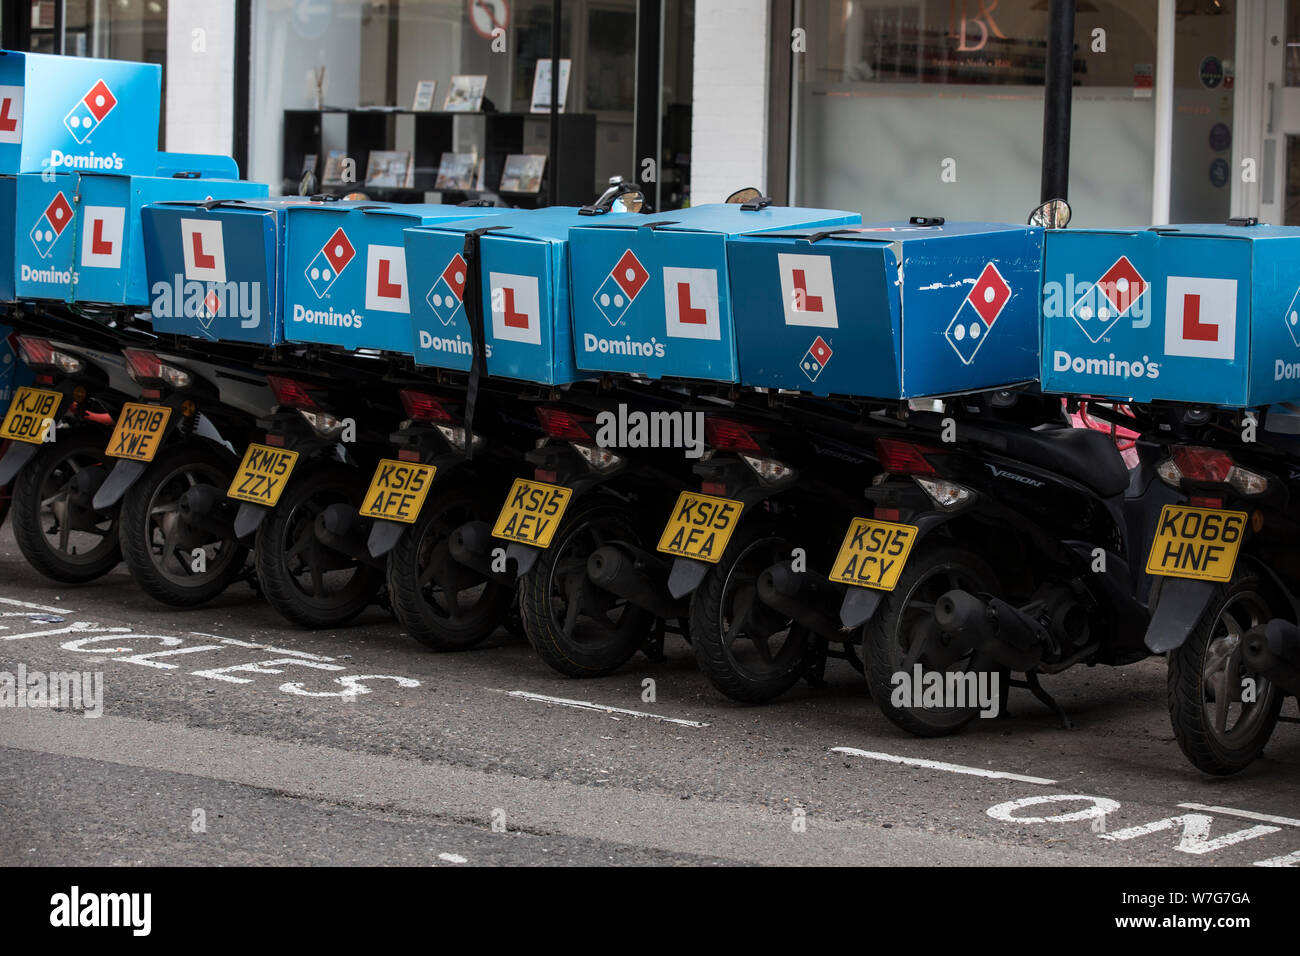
pixel 16 25
pixel 243 69
pixel 1057 94
pixel 646 117
pixel 553 149
pixel 60 14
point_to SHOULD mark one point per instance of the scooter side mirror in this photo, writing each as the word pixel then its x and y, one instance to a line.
pixel 748 194
pixel 1053 214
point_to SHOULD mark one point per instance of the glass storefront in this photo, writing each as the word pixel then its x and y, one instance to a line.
pixel 913 107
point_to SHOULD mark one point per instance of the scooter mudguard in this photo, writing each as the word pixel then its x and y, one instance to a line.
pixel 859 606
pixel 19 454
pixel 120 478
pixel 384 536
pixel 686 575
pixel 248 518
pixel 1181 604
pixel 524 556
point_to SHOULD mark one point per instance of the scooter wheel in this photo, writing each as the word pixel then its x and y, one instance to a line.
pixel 439 601
pixel 579 629
pixel 307 582
pixel 56 527
pixel 906 617
pixel 174 560
pixel 749 651
pixel 1219 731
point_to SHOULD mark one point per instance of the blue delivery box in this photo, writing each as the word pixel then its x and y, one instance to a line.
pixel 345 279
pixel 68 113
pixel 652 295
pixel 894 310
pixel 216 269
pixel 1207 314
pixel 77 237
pixel 524 288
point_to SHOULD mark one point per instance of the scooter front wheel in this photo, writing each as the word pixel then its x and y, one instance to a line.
pixel 175 555
pixel 749 651
pixel 575 626
pixel 903 635
pixel 440 602
pixel 1223 715
pixel 307 582
pixel 56 526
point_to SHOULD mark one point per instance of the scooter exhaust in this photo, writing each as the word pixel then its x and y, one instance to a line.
pixel 1273 651
pixel 637 577
pixel 471 545
pixel 1005 633
pixel 341 528
pixel 796 595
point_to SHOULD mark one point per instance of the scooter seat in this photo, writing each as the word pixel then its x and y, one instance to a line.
pixel 1089 457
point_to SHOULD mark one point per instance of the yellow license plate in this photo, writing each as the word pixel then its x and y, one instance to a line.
pixel 532 512
pixel 397 491
pixel 262 475
pixel 873 554
pixel 31 415
pixel 139 432
pixel 700 527
pixel 1198 543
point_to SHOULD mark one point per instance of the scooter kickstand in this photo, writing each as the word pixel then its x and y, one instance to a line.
pixel 1035 688
pixel 653 647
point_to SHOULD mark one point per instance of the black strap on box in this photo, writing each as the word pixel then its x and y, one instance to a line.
pixel 472 300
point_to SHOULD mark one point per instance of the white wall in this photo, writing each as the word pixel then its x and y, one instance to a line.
pixel 729 113
pixel 200 76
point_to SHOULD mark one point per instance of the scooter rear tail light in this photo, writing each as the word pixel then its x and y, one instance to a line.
pixel 561 423
pixel 292 393
pixel 40 354
pixel 146 368
pixel 423 407
pixel 886 514
pixel 718 488
pixel 905 458
pixel 1202 464
pixel 1201 501
pixel 724 434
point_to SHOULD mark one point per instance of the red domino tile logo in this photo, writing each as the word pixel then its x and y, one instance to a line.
pixel 630 274
pixel 454 276
pixel 339 250
pixel 990 294
pixel 100 100
pixel 59 213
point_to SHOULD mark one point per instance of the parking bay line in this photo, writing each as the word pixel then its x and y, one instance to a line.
pixel 588 705
pixel 940 765
pixel 1244 814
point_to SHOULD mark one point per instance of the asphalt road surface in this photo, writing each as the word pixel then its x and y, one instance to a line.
pixel 229 738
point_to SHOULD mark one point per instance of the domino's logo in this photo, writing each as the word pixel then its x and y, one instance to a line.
pixel 51 224
pixel 978 311
pixel 623 284
pixel 332 259
pixel 84 118
pixel 448 293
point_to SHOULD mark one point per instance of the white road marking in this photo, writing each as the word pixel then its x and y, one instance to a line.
pixel 1289 859
pixel 587 705
pixel 1244 814
pixel 32 607
pixel 940 765
pixel 1194 831
pixel 452 858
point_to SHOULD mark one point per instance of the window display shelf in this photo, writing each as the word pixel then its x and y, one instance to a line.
pixel 494 135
